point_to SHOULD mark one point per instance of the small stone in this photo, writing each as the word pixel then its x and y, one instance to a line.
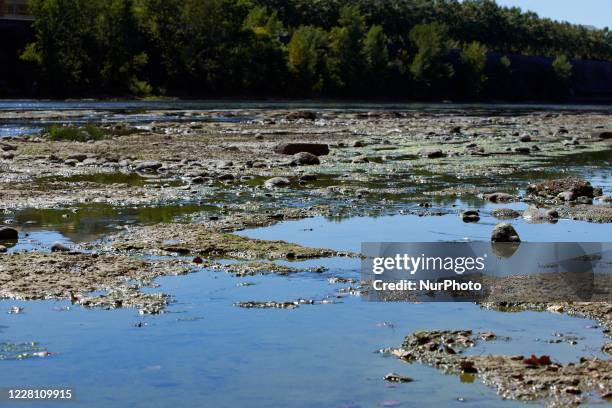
pixel 393 377
pixel 507 213
pixel 470 216
pixel 555 308
pixel 148 166
pixel 360 160
pixel 59 247
pixel 522 150
pixel 566 196
pixel 525 138
pixel 499 197
pixel 488 336
pixel 431 153
pixel 277 182
pixel 467 366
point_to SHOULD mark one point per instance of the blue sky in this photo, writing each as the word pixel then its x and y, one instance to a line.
pixel 589 12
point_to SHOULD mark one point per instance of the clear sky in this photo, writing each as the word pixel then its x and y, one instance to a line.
pixel 597 13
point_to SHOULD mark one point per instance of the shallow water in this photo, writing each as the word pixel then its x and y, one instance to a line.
pixel 206 352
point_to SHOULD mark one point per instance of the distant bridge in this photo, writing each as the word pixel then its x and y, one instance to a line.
pixel 15 10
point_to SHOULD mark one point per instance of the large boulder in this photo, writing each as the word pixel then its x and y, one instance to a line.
pixel 602 134
pixel 304 159
pixel 8 234
pixel 307 115
pixel 318 149
pixel 504 233
pixel 577 188
pixel 277 182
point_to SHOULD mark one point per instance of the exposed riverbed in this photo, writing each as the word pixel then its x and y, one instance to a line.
pixel 185 188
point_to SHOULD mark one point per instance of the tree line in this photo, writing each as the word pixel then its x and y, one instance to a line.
pixel 406 48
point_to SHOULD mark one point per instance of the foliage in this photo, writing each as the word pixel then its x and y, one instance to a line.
pixel 429 64
pixel 473 58
pixel 76 134
pixel 345 62
pixel 306 59
pixel 376 55
pixel 562 67
pixel 296 47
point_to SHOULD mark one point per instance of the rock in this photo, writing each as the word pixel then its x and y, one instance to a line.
pixel 5 147
pixel 522 150
pixel 357 143
pixel 318 149
pixel 277 182
pixel 597 191
pixel 605 198
pixel 534 214
pixel 506 213
pixel 8 156
pixel 554 187
pixel 555 308
pixel 77 157
pixel 602 134
pixel 308 177
pixel 148 166
pixel 499 197
pixel 360 159
pixel 8 234
pixel 470 216
pixel 504 233
pixel 59 247
pixel 566 196
pixel 552 214
pixel 71 162
pixel 525 138
pixel 3 249
pixel 226 177
pixel 431 153
pixel 393 377
pixel 455 129
pixel 584 200
pixel 488 336
pixel 305 159
pixel 307 115
pixel 467 367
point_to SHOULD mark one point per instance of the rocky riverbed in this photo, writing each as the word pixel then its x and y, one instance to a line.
pixel 246 168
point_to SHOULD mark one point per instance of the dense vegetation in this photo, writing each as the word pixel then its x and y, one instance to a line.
pixel 407 48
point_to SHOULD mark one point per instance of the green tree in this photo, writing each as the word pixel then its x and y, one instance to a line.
pixel 345 62
pixel 121 43
pixel 306 59
pixel 562 67
pixel 65 47
pixel 429 64
pixel 473 59
pixel 376 55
